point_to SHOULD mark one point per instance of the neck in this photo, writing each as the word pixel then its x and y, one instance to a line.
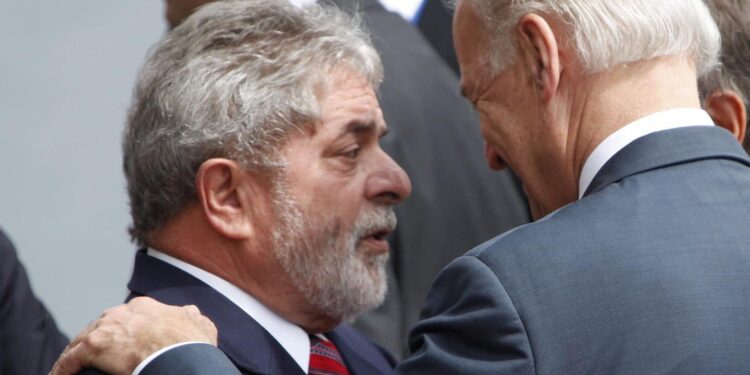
pixel 606 102
pixel 589 108
pixel 249 265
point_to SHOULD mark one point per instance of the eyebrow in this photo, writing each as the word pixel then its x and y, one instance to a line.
pixel 359 127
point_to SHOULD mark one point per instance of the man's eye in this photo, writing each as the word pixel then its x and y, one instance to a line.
pixel 351 154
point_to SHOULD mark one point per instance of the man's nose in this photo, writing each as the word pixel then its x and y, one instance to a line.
pixel 388 184
pixel 493 159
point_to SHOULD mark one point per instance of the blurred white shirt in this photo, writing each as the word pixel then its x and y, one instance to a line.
pixel 409 9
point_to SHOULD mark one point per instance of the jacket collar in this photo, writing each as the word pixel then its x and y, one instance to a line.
pixel 666 148
pixel 251 348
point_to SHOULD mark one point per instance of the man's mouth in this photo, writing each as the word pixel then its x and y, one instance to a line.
pixel 380 235
pixel 376 240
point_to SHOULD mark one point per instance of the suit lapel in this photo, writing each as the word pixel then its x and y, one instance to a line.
pixel 666 148
pixel 361 356
pixel 247 344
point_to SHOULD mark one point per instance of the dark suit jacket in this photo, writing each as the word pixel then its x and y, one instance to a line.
pixel 456 202
pixel 436 24
pixel 649 273
pixel 245 342
pixel 29 339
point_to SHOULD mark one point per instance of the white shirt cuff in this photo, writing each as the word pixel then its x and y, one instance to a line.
pixel 153 356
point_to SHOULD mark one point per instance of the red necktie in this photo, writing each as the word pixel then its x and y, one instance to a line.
pixel 325 359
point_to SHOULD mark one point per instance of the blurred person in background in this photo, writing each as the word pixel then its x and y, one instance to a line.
pixel 30 341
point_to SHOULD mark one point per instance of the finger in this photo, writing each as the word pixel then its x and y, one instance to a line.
pixel 192 311
pixel 211 331
pixel 209 328
pixel 110 310
pixel 71 361
pixel 142 302
pixel 85 333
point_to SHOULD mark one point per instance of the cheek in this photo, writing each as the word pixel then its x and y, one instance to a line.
pixel 340 202
pixel 322 189
pixel 327 194
pixel 491 125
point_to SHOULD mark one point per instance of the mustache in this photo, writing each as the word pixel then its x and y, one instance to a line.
pixel 380 220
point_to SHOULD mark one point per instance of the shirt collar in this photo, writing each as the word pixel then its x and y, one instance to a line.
pixel 665 120
pixel 291 337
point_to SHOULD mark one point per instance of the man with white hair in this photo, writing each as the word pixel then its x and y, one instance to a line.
pixel 638 261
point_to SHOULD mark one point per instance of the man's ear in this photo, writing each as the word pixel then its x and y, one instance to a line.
pixel 220 185
pixel 728 111
pixel 539 48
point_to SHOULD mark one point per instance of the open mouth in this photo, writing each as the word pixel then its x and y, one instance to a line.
pixel 379 235
pixel 376 240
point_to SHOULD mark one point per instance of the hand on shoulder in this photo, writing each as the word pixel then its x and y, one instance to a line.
pixel 125 335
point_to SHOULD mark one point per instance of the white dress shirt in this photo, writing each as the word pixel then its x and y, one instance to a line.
pixel 409 9
pixel 291 337
pixel 665 120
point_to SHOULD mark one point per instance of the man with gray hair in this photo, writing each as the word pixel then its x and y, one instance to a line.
pixel 258 189
pixel 724 91
pixel 638 260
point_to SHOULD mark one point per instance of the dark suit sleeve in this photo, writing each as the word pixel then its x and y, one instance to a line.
pixel 29 339
pixel 469 325
pixel 191 359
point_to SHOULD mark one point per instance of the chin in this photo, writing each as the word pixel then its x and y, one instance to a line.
pixel 356 286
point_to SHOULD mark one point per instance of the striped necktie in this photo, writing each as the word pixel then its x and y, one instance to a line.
pixel 325 359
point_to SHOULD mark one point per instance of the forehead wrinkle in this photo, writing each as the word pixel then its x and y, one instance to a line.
pixel 350 106
pixel 364 123
pixel 363 106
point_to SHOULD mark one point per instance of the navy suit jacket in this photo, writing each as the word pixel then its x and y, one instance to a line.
pixel 649 273
pixel 29 339
pixel 250 347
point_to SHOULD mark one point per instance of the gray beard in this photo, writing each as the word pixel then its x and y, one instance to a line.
pixel 324 263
